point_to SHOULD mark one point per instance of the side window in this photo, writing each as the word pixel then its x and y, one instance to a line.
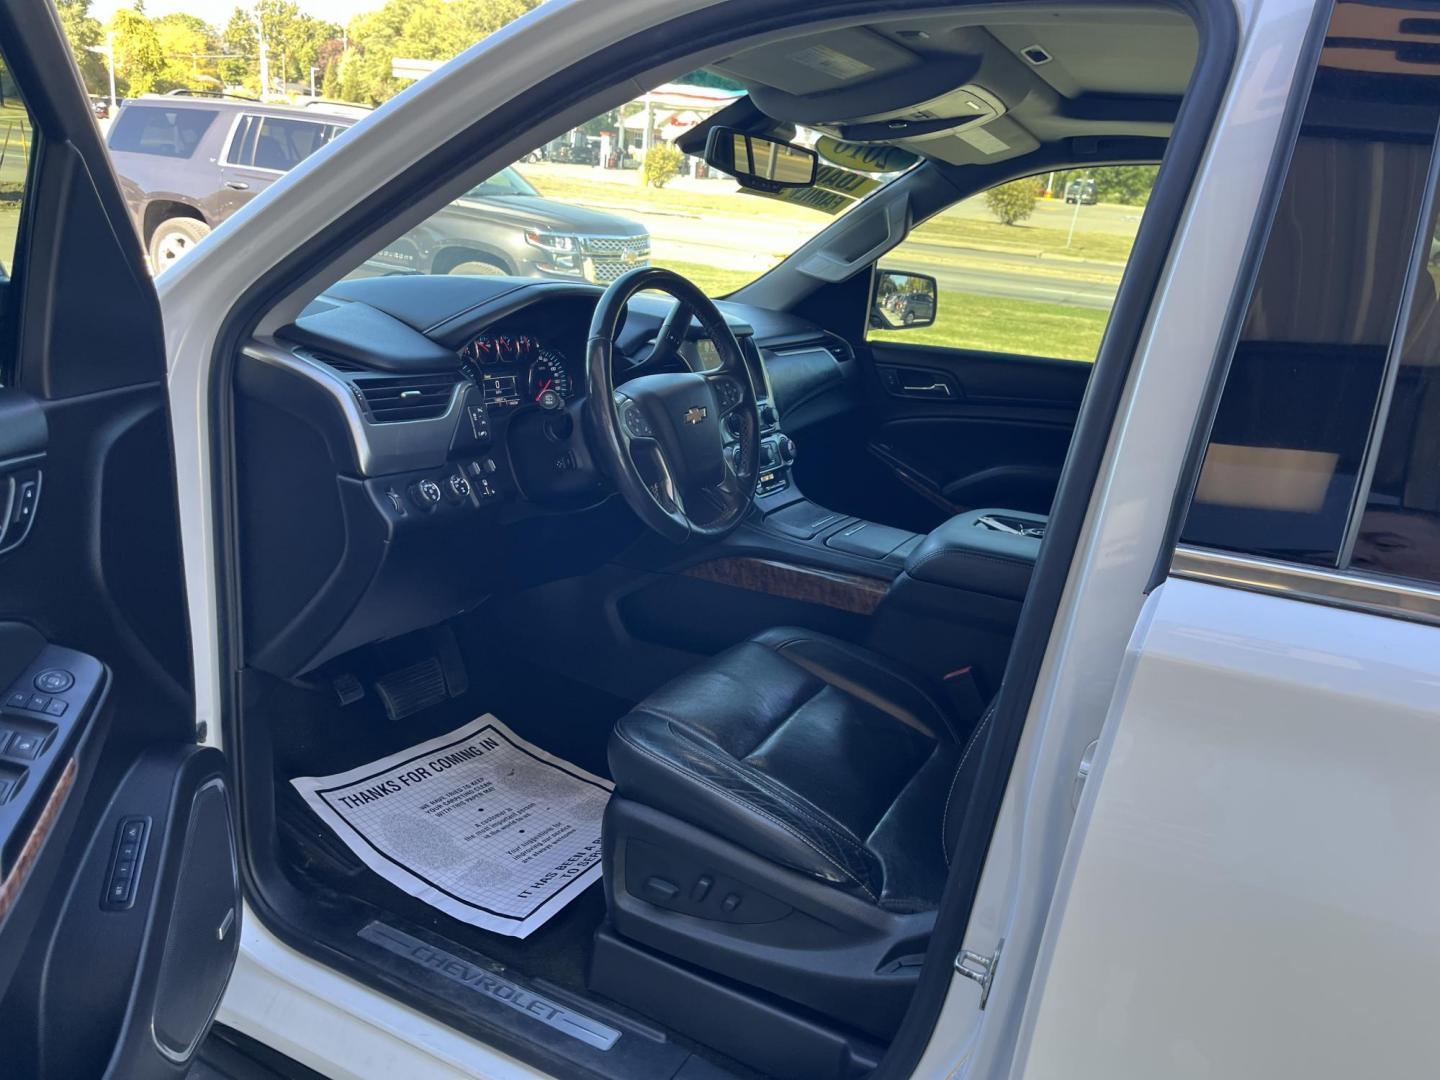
pixel 283 144
pixel 242 143
pixel 160 130
pixel 1399 529
pixel 1293 440
pixel 17 145
pixel 1030 268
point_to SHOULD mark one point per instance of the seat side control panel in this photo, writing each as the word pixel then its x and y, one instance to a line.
pixel 43 713
pixel 19 498
pixel 128 855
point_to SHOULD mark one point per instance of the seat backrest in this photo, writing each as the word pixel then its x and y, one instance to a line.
pixel 966 773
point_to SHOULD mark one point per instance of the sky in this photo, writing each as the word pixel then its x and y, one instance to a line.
pixel 217 12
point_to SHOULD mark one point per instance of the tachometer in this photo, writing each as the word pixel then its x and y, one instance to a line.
pixel 549 381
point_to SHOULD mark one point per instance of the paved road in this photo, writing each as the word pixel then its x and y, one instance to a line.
pixel 1014 277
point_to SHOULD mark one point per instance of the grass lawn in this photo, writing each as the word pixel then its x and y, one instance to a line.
pixel 713 280
pixel 944 229
pixel 993 324
pixel 1024 239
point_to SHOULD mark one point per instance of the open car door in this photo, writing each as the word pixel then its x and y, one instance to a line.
pixel 119 895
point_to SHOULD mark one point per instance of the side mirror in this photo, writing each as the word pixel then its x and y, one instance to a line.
pixel 760 163
pixel 902 300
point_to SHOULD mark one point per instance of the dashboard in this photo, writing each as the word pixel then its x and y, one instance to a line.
pixel 413 444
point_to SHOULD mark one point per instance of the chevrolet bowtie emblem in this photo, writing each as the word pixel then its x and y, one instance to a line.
pixel 695 415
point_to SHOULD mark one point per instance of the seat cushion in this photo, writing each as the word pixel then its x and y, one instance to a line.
pixel 805 750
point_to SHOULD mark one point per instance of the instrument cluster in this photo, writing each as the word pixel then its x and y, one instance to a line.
pixel 517 369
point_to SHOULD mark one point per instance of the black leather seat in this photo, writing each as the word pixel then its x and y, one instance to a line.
pixel 784 801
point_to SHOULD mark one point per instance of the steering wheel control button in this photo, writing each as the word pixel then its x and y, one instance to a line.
pixel 769 418
pixel 426 494
pixel 54 681
pixel 729 393
pixel 635 422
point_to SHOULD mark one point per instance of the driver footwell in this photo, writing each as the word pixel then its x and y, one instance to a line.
pixel 507 991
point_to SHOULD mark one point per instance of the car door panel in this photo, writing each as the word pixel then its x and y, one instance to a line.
pixel 947 430
pixel 93 634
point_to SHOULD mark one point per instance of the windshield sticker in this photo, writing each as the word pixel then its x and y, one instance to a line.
pixel 865 157
pixel 833 191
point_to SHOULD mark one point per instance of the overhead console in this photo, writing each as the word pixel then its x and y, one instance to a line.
pixel 946 91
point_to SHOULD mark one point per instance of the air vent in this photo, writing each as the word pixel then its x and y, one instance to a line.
pixel 338 363
pixel 839 348
pixel 417 397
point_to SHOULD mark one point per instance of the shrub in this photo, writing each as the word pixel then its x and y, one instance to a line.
pixel 662 164
pixel 1013 202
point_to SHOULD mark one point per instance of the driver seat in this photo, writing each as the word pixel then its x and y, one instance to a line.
pixel 781 817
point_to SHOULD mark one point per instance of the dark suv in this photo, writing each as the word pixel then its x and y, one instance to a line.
pixel 187 163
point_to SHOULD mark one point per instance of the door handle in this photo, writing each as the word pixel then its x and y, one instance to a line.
pixel 936 389
pixel 237 185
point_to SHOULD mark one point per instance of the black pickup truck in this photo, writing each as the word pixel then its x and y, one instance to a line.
pixel 186 163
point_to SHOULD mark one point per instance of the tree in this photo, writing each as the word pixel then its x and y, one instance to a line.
pixel 1012 203
pixel 1128 185
pixel 330 87
pixel 662 163
pixel 240 40
pixel 185 41
pixel 83 30
pixel 139 59
pixel 416 30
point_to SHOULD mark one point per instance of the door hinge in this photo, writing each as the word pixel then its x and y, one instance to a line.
pixel 980 969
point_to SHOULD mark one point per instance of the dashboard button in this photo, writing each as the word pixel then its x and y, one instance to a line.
pixel 458 486
pixel 425 494
pixel 54 681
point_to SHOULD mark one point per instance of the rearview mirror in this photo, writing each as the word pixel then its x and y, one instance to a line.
pixel 760 163
pixel 902 300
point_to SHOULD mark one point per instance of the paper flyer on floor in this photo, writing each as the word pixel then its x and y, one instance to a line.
pixel 479 823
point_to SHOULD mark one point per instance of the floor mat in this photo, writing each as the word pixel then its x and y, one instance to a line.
pixel 478 823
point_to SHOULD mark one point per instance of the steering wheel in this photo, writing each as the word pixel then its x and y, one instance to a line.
pixel 662 437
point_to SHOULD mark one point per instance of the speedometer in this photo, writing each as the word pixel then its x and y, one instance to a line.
pixel 548 380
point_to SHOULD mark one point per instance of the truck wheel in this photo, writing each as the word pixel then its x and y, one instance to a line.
pixel 478 266
pixel 173 239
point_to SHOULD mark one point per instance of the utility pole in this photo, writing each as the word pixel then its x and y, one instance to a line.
pixel 264 58
pixel 108 51
pixel 313 70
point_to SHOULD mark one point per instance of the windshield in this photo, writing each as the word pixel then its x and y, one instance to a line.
pixel 505 182
pixel 617 192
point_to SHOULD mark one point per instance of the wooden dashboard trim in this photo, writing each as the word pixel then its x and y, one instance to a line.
pixel 790 581
pixel 25 861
